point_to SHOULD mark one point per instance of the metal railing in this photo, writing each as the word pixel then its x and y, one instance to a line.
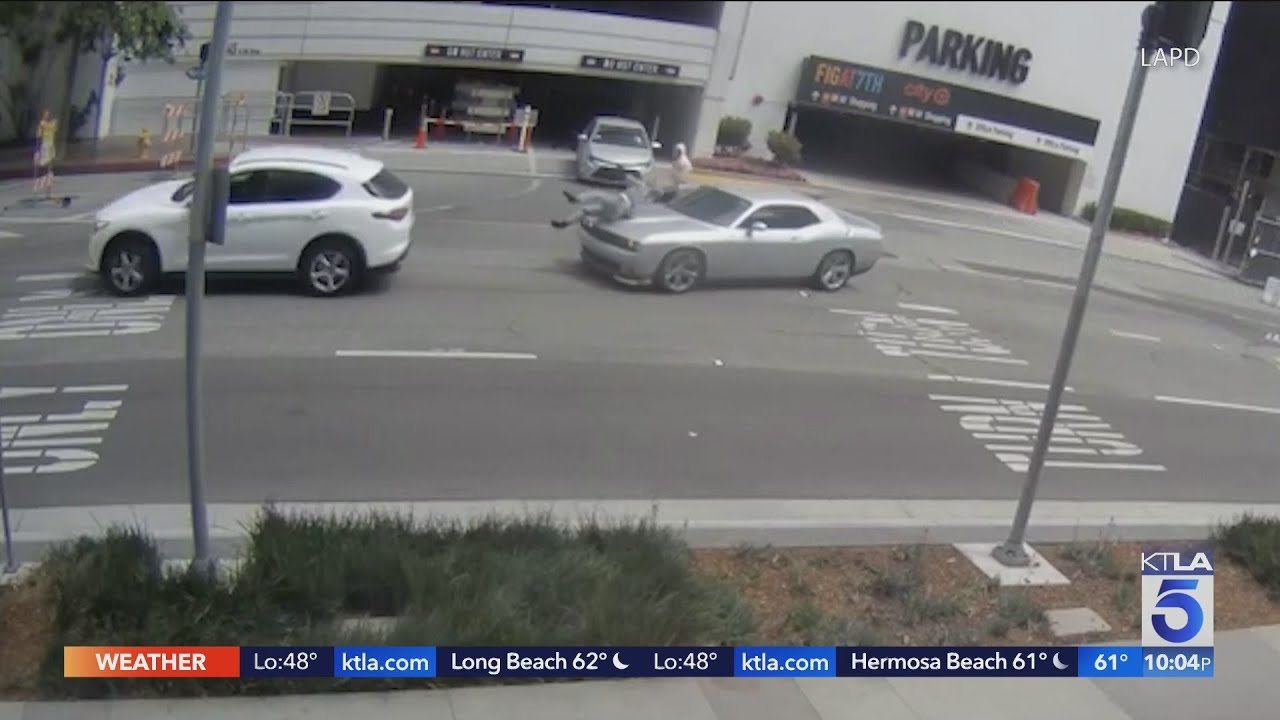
pixel 315 108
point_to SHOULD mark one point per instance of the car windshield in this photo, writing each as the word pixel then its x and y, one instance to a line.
pixel 711 205
pixel 622 136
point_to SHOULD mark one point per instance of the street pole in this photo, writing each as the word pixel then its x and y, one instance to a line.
pixel 199 215
pixel 10 565
pixel 1013 552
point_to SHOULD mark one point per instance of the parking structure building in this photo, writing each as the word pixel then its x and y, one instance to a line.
pixel 955 95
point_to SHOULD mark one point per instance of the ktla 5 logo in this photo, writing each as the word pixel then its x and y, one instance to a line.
pixel 1177 599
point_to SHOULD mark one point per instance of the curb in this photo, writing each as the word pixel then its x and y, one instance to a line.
pixel 106 168
pixel 701 523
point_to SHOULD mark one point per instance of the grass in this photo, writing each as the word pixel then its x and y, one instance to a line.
pixel 1254 543
pixel 497 582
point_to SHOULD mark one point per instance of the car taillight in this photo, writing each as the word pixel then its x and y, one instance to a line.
pixel 397 214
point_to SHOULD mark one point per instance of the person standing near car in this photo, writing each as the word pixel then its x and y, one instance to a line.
pixel 681 166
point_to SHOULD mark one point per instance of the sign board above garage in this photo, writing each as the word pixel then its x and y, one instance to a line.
pixel 630 67
pixel 857 88
pixel 475 52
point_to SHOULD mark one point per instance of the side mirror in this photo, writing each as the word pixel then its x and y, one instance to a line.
pixel 657 146
pixel 757 226
pixel 582 137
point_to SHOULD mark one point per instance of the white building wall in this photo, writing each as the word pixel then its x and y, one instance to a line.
pixel 1082 54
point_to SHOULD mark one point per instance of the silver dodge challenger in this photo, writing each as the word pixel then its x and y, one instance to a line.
pixel 711 233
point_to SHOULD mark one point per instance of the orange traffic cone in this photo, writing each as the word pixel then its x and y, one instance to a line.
pixel 420 141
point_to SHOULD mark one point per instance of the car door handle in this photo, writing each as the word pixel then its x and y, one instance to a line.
pixel 318 214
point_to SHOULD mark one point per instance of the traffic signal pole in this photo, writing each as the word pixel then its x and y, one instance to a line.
pixel 1013 552
pixel 200 213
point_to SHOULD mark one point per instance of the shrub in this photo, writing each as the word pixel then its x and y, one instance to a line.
pixel 1127 220
pixel 734 132
pixel 785 147
pixel 524 581
pixel 1254 543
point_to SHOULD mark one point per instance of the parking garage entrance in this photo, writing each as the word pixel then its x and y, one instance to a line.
pixel 855 119
pixel 492 90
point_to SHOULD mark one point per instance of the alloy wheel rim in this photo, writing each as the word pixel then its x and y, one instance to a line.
pixel 836 273
pixel 126 271
pixel 330 271
pixel 682 272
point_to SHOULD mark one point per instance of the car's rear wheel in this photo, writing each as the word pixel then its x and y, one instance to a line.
pixel 130 265
pixel 834 270
pixel 330 267
pixel 680 271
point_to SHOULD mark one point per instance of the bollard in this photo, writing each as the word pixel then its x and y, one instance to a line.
pixel 144 144
pixel 10 565
pixel 386 123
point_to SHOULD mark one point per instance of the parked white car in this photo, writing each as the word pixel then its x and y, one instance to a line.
pixel 327 216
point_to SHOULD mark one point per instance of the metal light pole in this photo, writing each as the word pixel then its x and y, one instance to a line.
pixel 10 565
pixel 199 217
pixel 1013 552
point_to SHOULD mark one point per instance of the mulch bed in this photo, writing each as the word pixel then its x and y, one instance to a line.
pixel 743 165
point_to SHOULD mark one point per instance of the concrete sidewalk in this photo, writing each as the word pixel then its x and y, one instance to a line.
pixel 702 523
pixel 1244 689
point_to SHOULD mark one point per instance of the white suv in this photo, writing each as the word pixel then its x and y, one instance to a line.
pixel 326 215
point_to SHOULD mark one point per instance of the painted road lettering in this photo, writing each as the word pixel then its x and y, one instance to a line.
pixel 91 319
pixel 905 336
pixel 46 443
pixel 1081 440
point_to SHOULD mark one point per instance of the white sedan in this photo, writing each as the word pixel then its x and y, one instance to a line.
pixel 327 216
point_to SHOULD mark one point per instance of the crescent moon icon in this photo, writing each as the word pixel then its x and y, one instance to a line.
pixel 1058 663
pixel 617 662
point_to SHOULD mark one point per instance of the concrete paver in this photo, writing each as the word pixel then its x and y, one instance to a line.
pixel 581 701
pixel 1006 699
pixel 757 699
pixel 855 699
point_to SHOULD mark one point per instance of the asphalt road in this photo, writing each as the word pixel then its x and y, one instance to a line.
pixel 913 382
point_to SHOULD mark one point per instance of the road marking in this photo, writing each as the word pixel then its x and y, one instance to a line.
pixel 903 336
pixel 49 277
pixel 928 308
pixel 48 443
pixel 131 317
pixel 453 354
pixel 989 230
pixel 1135 336
pixel 438 208
pixel 1014 424
pixel 5 234
pixel 1218 404
pixel 993 381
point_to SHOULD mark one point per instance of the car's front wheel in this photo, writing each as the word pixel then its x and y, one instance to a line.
pixel 834 270
pixel 130 266
pixel 330 267
pixel 680 271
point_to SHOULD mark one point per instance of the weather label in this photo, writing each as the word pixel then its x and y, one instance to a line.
pixel 956 662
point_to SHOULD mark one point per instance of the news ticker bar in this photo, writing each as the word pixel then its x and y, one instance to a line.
pixel 634 662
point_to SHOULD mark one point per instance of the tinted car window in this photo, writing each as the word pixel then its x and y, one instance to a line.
pixel 248 187
pixel 386 185
pixel 621 136
pixel 711 205
pixel 298 186
pixel 783 217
